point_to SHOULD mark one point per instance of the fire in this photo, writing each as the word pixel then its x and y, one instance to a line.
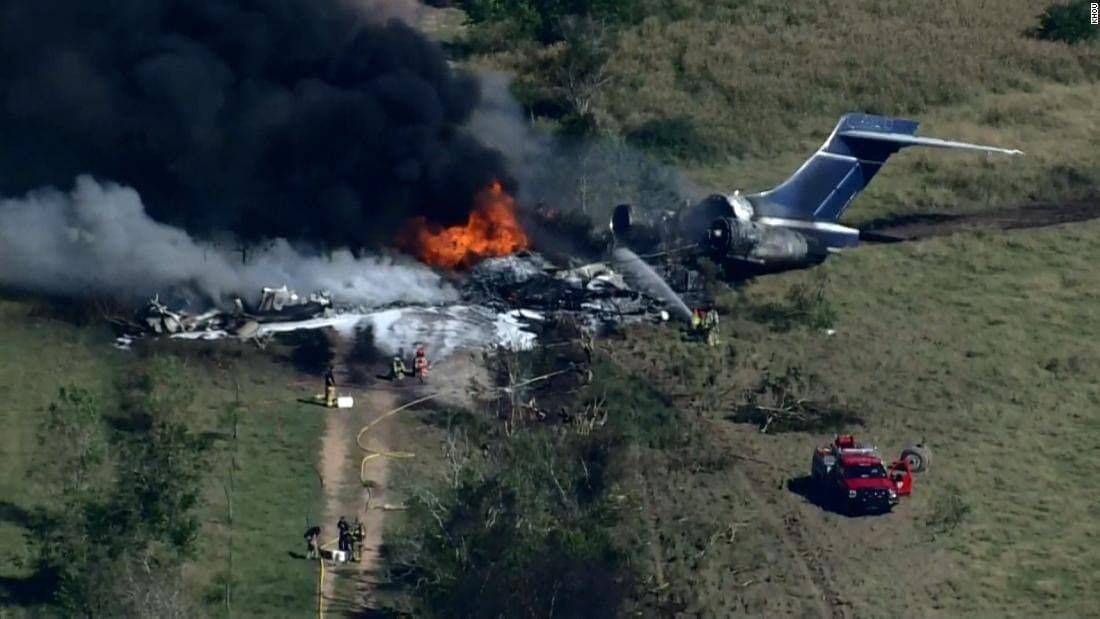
pixel 491 230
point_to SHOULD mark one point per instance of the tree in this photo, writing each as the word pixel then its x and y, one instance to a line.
pixel 580 71
pixel 75 422
pixel 525 536
pixel 543 19
pixel 1067 22
pixel 121 514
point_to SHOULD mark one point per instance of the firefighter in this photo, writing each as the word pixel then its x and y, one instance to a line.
pixel 711 324
pixel 357 540
pixel 330 389
pixel 398 370
pixel 313 540
pixel 345 534
pixel 696 320
pixel 420 364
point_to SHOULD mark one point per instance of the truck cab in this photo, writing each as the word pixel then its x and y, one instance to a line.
pixel 861 484
pixel 853 477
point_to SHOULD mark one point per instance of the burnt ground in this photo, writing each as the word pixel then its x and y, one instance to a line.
pixel 918 226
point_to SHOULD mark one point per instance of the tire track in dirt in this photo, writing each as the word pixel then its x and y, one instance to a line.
pixel 818 580
pixel 651 528
pixel 917 226
pixel 818 567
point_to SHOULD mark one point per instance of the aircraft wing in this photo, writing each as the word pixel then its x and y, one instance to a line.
pixel 912 140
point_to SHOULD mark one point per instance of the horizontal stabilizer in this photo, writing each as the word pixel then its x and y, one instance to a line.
pixel 912 140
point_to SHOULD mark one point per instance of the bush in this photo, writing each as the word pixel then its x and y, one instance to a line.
pixel 794 401
pixel 121 511
pixel 541 19
pixel 949 510
pixel 805 305
pixel 673 138
pixel 1068 23
pixel 525 536
pixel 523 523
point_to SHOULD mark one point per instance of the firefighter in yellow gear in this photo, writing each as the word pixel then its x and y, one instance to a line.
pixel 357 538
pixel 330 389
pixel 398 370
pixel 711 325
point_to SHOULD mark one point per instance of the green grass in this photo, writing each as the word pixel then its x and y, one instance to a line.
pixel 990 338
pixel 753 87
pixel 756 74
pixel 276 486
pixel 1054 126
pixel 981 344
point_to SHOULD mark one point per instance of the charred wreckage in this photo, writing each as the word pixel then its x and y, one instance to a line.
pixel 501 301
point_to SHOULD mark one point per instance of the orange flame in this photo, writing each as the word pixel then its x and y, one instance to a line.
pixel 491 230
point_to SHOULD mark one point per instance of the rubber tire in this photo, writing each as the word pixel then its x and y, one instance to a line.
pixel 919 457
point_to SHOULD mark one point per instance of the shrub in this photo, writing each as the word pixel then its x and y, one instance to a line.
pixel 673 137
pixel 805 304
pixel 1067 22
pixel 542 19
pixel 794 401
pixel 949 510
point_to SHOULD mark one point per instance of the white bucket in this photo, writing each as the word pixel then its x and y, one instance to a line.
pixel 339 556
pixel 344 401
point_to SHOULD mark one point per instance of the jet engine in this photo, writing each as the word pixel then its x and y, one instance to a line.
pixel 728 237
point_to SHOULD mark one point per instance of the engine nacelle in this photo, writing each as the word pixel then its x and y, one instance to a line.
pixel 728 237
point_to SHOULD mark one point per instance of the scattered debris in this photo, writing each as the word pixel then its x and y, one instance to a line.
pixel 505 299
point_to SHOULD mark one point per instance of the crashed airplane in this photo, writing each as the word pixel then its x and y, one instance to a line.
pixel 503 298
pixel 503 301
pixel 795 224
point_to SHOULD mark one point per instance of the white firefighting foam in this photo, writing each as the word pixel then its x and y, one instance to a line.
pixel 443 330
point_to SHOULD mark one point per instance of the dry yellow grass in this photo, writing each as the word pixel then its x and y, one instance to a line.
pixel 751 74
pixel 983 345
pixel 1055 125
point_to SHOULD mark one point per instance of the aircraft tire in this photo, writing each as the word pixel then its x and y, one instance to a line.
pixel 919 457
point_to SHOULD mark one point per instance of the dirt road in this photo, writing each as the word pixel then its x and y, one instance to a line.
pixel 356 480
pixel 346 495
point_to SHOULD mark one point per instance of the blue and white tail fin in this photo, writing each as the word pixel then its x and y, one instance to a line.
pixel 857 148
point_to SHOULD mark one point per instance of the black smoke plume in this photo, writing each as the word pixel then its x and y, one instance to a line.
pixel 301 119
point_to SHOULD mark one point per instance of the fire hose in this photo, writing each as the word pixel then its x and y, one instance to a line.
pixel 371 454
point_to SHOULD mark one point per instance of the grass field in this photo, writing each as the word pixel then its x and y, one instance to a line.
pixel 1051 124
pixel 275 486
pixel 981 344
pixel 757 86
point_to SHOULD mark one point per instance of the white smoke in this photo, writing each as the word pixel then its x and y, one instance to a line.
pixel 498 123
pixel 98 241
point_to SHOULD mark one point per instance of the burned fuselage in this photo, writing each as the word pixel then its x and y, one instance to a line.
pixel 796 223
pixel 724 229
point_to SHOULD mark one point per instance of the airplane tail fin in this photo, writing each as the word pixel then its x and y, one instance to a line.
pixel 857 148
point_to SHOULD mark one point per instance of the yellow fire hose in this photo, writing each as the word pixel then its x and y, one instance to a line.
pixel 371 454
